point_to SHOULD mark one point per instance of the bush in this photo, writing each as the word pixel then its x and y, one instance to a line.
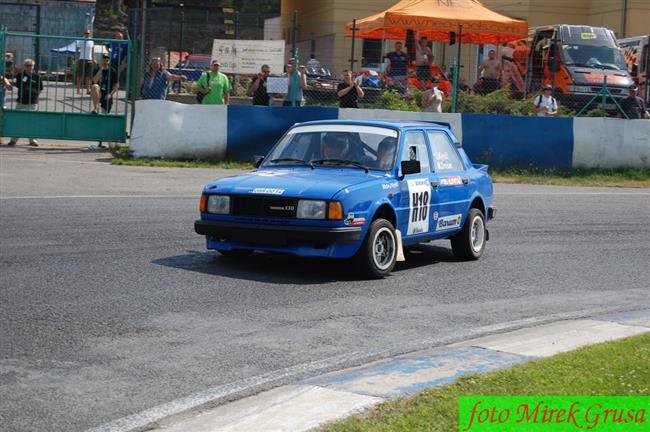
pixel 395 101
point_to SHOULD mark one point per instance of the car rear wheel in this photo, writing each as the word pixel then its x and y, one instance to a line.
pixel 469 244
pixel 376 257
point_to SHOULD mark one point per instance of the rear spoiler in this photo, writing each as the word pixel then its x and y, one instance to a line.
pixel 481 167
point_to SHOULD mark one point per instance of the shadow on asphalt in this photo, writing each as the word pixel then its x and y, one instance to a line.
pixel 288 269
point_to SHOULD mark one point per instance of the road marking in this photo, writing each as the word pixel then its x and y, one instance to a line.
pixel 97 196
pixel 249 386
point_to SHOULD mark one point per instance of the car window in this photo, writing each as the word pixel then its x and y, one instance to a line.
pixel 444 152
pixel 415 148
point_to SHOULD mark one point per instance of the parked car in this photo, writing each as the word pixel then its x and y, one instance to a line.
pixel 193 66
pixel 353 189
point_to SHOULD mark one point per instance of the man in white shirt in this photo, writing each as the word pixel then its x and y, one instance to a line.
pixel 545 104
pixel 432 99
pixel 313 63
pixel 85 61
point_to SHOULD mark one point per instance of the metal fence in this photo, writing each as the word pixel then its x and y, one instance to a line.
pixel 181 38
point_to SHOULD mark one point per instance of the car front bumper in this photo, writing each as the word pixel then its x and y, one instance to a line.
pixel 276 235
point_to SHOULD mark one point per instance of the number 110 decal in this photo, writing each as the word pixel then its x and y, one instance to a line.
pixel 419 197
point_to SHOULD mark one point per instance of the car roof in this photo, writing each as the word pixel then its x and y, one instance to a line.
pixel 393 124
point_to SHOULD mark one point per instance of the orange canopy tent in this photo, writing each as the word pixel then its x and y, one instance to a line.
pixel 436 18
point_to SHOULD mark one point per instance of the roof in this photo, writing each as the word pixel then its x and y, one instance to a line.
pixel 395 124
pixel 435 19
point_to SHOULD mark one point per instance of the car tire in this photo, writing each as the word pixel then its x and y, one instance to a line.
pixel 469 243
pixel 236 253
pixel 378 252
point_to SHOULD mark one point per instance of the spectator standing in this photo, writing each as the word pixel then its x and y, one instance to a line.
pixel 397 69
pixel 105 85
pixel 509 69
pixel 258 87
pixel 349 91
pixel 634 106
pixel 217 91
pixel 118 52
pixel 491 70
pixel 423 59
pixel 85 61
pixel 29 86
pixel 432 98
pixel 545 104
pixel 313 63
pixel 298 91
pixel 155 79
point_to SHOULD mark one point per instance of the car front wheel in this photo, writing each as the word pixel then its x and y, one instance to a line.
pixel 376 257
pixel 469 244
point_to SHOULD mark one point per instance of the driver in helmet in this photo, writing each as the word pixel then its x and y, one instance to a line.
pixel 385 153
pixel 335 146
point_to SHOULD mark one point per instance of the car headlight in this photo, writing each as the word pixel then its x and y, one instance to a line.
pixel 218 204
pixel 311 209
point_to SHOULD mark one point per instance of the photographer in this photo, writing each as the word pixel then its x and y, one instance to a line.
pixel 348 91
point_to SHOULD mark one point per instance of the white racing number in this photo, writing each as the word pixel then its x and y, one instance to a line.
pixel 419 197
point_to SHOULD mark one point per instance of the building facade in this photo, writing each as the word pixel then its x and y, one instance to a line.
pixel 321 26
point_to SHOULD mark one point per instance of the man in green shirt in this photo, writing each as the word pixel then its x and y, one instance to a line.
pixel 217 91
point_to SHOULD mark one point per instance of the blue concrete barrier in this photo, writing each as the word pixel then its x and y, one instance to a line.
pixel 171 130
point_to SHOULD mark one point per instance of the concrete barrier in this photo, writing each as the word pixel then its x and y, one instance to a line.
pixel 176 131
pixel 611 143
pixel 172 130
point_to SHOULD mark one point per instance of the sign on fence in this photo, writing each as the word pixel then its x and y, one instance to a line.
pixel 248 56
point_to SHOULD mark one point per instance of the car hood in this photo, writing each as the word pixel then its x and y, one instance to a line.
pixel 320 182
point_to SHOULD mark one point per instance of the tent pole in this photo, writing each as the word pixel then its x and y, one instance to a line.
pixel 454 97
pixel 354 32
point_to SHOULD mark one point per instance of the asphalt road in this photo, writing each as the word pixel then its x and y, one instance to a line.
pixel 110 304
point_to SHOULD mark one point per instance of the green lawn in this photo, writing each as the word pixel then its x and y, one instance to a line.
pixel 622 177
pixel 620 368
pixel 625 177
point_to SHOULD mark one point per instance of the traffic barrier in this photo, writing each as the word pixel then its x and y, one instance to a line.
pixel 172 130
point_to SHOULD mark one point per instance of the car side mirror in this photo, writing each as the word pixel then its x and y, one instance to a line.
pixel 410 167
pixel 258 160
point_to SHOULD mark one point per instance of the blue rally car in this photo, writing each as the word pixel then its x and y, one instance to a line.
pixel 362 189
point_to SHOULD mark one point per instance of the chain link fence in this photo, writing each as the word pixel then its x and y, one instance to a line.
pixel 176 51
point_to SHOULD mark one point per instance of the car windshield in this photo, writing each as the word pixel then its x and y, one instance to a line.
pixel 354 146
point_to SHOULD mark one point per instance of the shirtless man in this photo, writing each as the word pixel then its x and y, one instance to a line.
pixel 491 68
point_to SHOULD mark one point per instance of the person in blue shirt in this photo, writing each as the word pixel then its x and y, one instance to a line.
pixel 397 69
pixel 154 81
pixel 118 52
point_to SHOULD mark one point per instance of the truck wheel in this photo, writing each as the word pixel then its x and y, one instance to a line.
pixel 376 257
pixel 469 244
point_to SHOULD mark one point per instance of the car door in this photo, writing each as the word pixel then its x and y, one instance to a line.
pixel 454 185
pixel 418 200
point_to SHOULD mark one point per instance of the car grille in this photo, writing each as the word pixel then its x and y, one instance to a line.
pixel 259 206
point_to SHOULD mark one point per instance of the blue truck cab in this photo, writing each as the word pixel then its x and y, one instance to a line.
pixel 353 189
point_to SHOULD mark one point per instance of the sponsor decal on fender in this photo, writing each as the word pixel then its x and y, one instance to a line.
pixel 351 220
pixel 449 222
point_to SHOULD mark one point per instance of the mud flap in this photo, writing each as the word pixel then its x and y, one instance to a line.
pixel 400 249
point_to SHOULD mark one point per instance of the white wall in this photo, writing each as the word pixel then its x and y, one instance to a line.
pixel 611 143
pixel 177 131
pixel 454 120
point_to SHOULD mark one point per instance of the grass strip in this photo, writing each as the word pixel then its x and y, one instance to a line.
pixel 619 177
pixel 619 368
pixel 623 177
pixel 172 163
